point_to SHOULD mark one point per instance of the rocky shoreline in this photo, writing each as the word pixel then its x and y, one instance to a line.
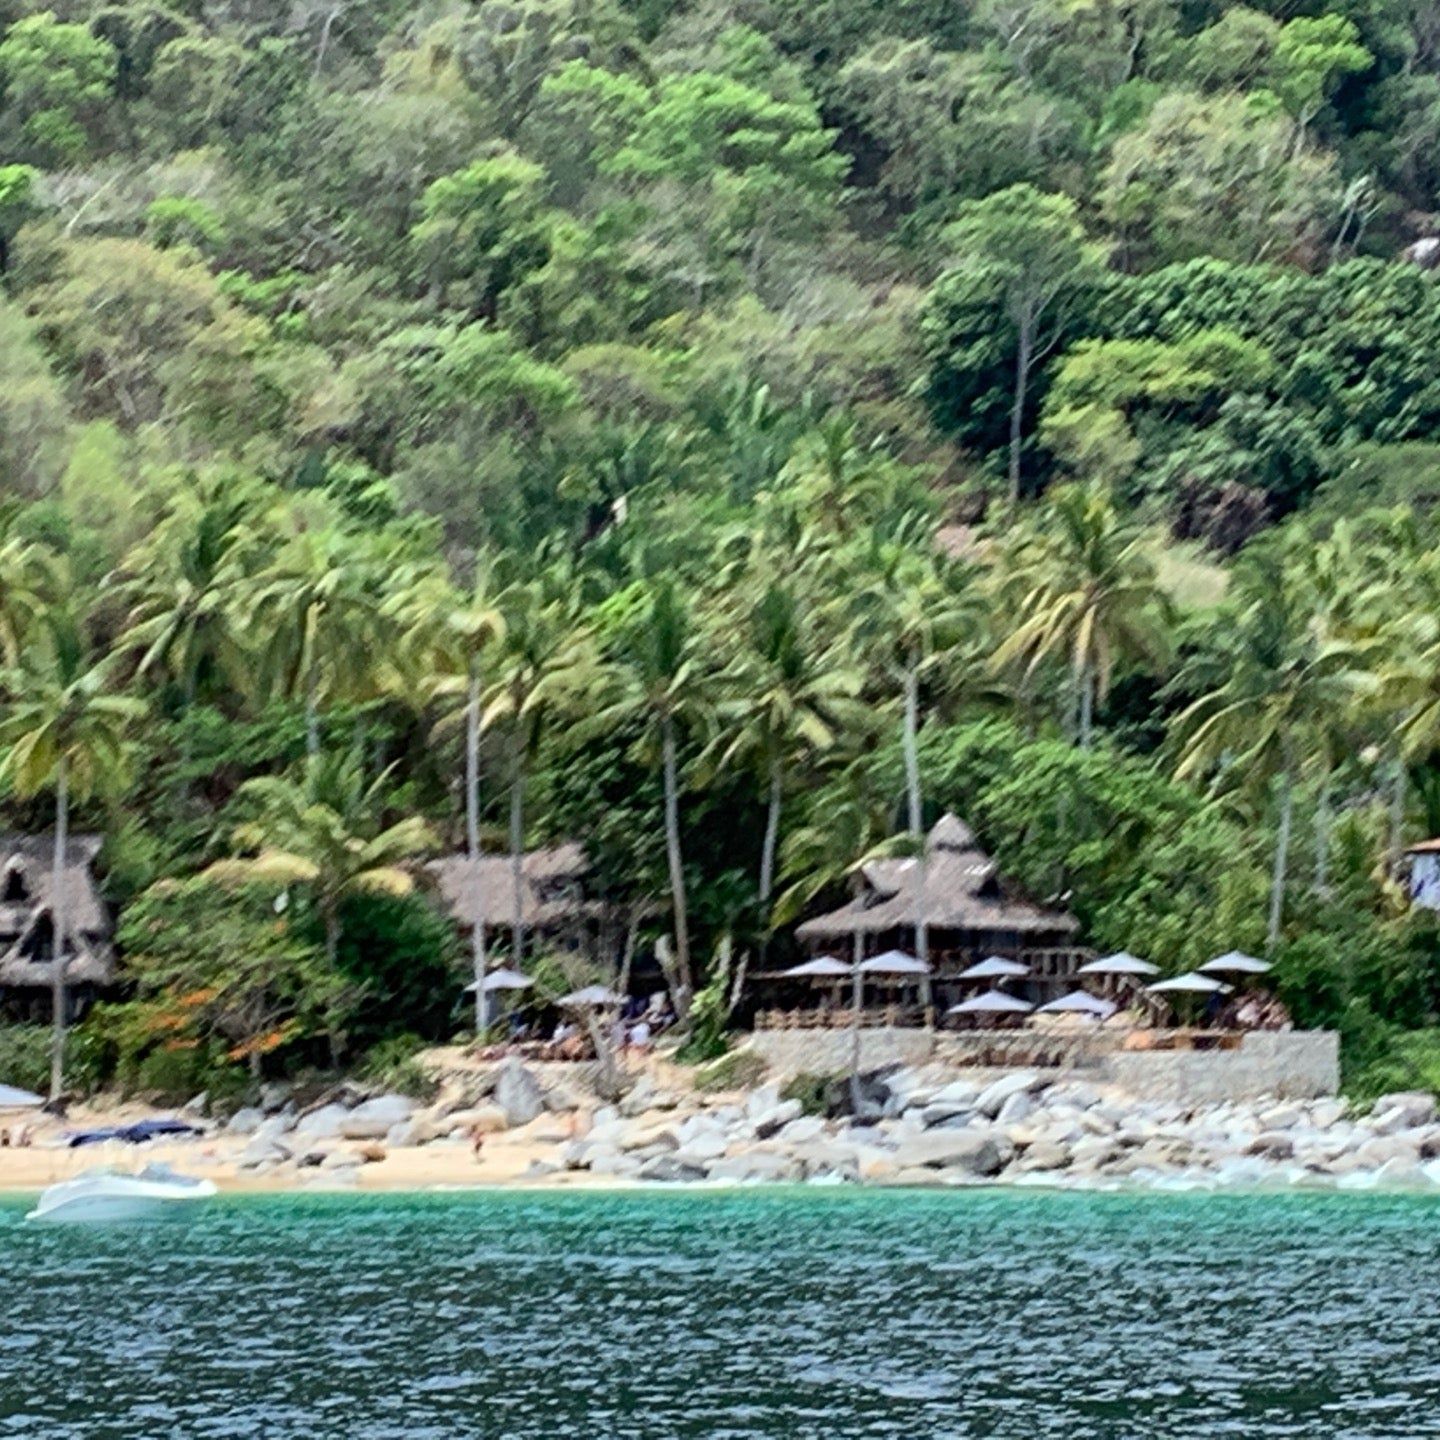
pixel 916 1128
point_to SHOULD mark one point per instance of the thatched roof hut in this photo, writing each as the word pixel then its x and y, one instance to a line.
pixel 552 894
pixel 26 914
pixel 964 904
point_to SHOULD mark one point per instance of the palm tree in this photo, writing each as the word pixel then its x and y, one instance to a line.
pixel 449 635
pixel 66 731
pixel 321 831
pixel 788 696
pixel 1276 678
pixel 184 589
pixel 913 614
pixel 1085 591
pixel 539 661
pixel 316 614
pixel 657 679
pixel 27 576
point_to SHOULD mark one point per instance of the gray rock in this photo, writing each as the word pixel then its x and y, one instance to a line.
pixel 977 1154
pixel 753 1167
pixel 274 1095
pixel 340 1160
pixel 197 1106
pixel 373 1120
pixel 671 1170
pixel 959 1093
pixel 944 1112
pixel 638 1099
pixel 323 1123
pixel 761 1101
pixel 701 1150
pixel 1416 1106
pixel 261 1152
pixel 245 1122
pixel 538 1169
pixel 1015 1109
pixel 612 1162
pixel 803 1130
pixel 993 1096
pixel 1281 1117
pixel 518 1093
pixel 1325 1113
pixel 1272 1145
pixel 772 1121
pixel 1043 1155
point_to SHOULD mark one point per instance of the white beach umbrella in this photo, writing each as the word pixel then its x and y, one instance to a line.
pixel 1191 983
pixel 995 968
pixel 823 967
pixel 893 962
pixel 591 997
pixel 992 1002
pixel 1123 963
pixel 1233 962
pixel 13 1098
pixel 1078 1002
pixel 502 979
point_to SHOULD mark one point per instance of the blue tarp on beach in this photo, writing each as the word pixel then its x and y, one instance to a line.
pixel 136 1134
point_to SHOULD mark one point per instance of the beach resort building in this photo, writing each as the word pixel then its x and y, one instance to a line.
pixel 552 902
pixel 969 913
pixel 27 924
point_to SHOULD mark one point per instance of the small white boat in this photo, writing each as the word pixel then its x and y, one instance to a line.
pixel 156 1192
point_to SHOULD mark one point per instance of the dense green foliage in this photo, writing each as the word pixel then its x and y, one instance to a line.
pixel 477 424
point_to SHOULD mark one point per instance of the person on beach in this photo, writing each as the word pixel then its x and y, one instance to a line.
pixel 477 1143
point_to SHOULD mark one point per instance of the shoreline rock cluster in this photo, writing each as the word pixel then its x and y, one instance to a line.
pixel 916 1127
pixel 1026 1129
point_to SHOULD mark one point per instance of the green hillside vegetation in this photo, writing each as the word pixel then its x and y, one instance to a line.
pixel 585 384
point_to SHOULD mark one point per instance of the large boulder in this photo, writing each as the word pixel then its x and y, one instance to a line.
pixel 518 1094
pixel 802 1130
pixel 374 1119
pixel 245 1122
pixel 700 1149
pixel 990 1100
pixel 671 1170
pixel 322 1124
pixel 1272 1145
pixel 770 1122
pixel 1015 1109
pixel 1414 1107
pixel 973 1152
pixel 753 1167
pixel 487 1119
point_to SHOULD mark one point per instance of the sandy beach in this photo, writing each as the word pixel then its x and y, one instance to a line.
pixel 505 1160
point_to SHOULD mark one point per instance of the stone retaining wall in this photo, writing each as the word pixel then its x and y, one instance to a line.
pixel 1292 1064
pixel 1295 1064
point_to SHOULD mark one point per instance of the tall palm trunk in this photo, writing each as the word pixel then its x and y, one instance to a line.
pixel 1087 704
pixel 517 851
pixel 1282 859
pixel 1023 355
pixel 916 818
pixel 1322 838
pixel 58 929
pixel 673 856
pixel 472 841
pixel 857 997
pixel 772 836
pixel 312 712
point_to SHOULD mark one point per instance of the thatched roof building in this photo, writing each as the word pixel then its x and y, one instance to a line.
pixel 552 895
pixel 27 929
pixel 968 912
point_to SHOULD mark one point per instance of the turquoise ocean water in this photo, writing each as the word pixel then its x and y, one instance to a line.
pixel 824 1315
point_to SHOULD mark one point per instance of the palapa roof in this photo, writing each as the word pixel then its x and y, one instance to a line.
pixel 26 891
pixel 962 892
pixel 552 887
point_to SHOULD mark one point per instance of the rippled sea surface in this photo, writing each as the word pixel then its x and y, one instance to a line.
pixel 815 1314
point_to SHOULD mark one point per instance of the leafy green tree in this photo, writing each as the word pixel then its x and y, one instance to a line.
pixel 57 79
pixel 1031 251
pixel 324 834
pixel 17 204
pixel 66 732
pixel 219 962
